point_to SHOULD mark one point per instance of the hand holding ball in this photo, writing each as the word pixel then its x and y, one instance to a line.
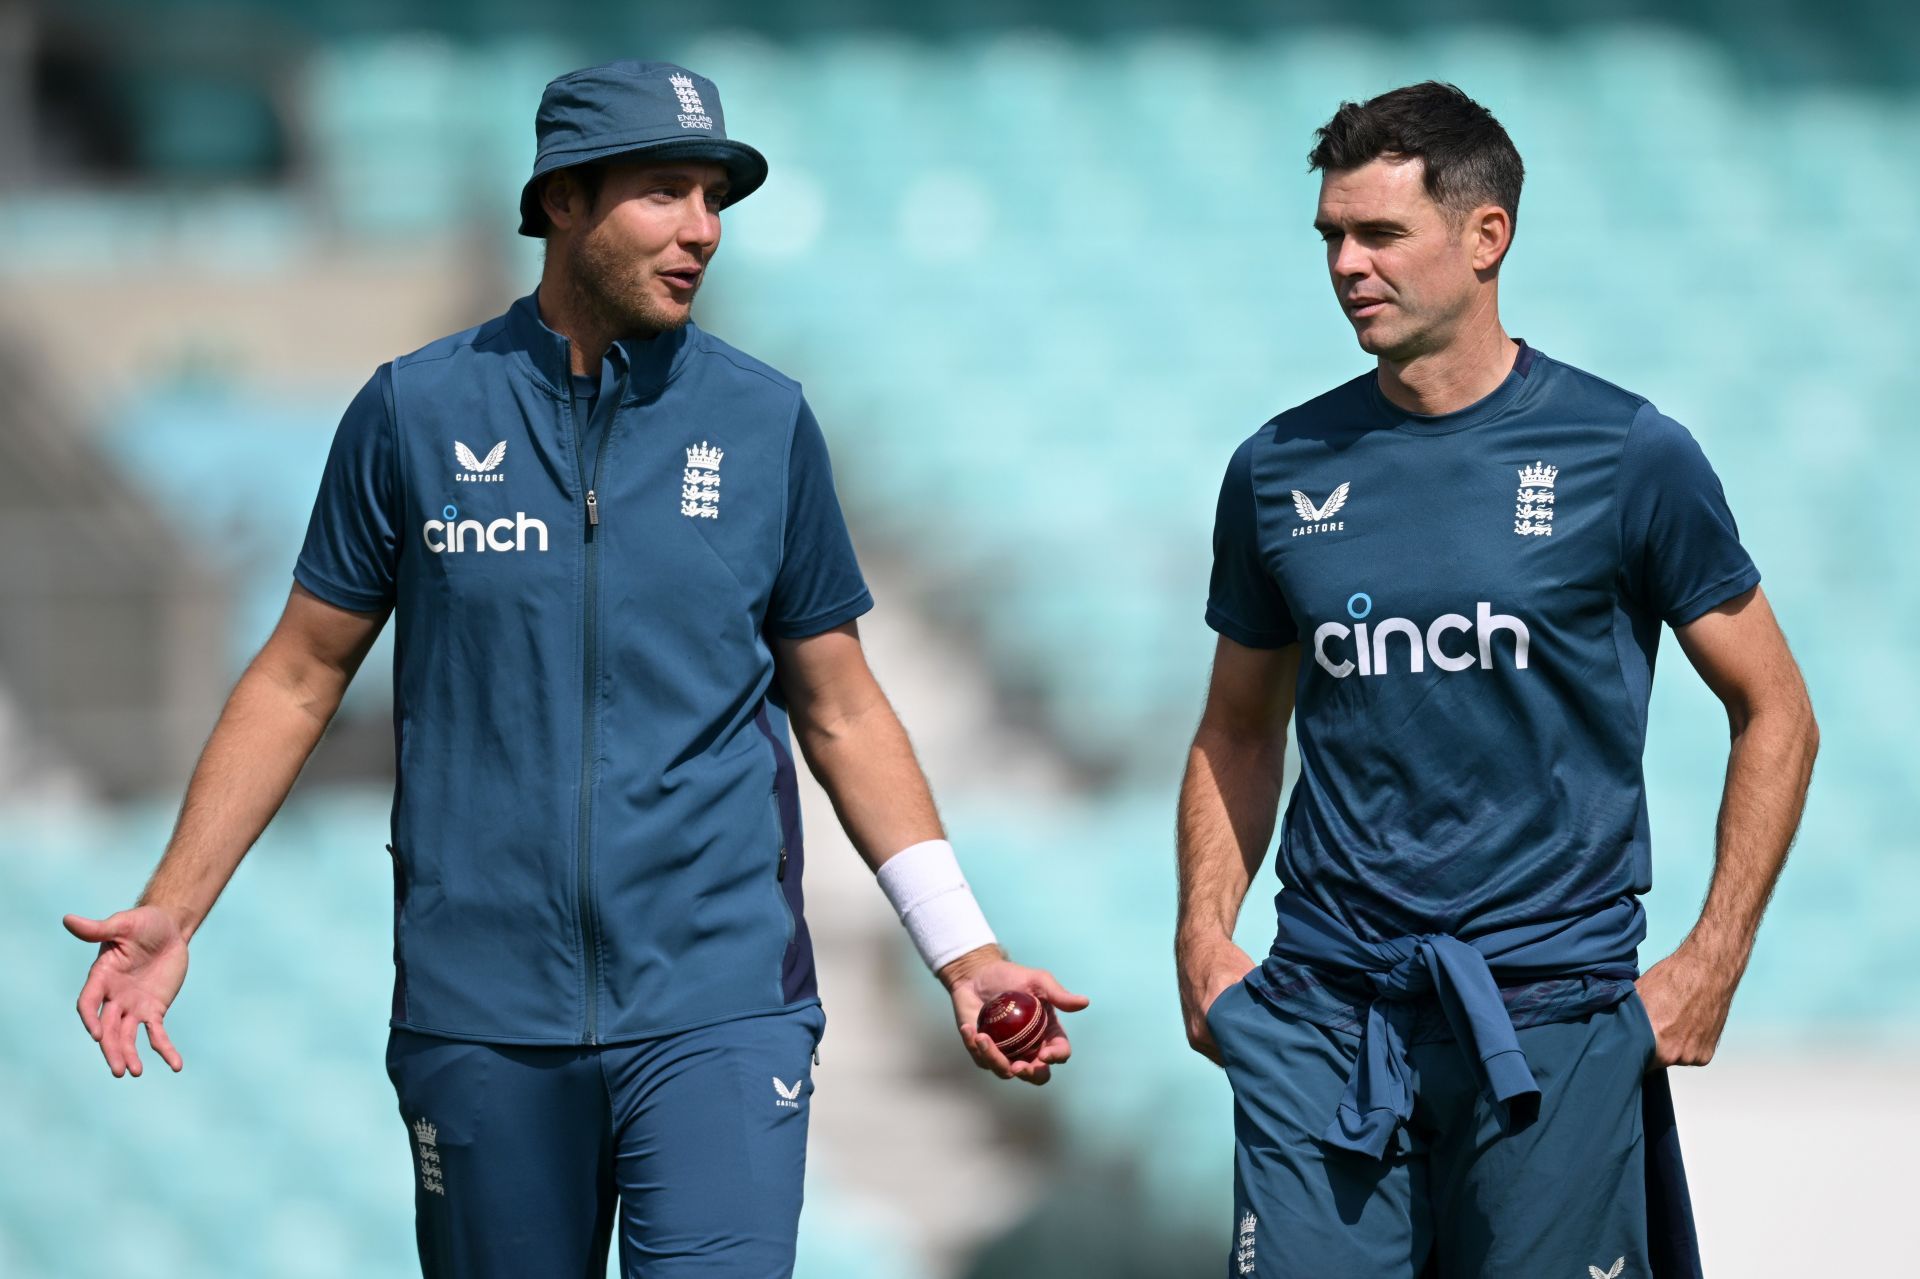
pixel 1016 1022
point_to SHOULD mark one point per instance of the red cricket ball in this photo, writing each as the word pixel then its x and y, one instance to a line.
pixel 1016 1022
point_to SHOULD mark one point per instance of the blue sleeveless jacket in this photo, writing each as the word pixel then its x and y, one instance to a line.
pixel 595 829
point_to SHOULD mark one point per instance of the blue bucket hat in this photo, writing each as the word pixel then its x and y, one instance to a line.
pixel 646 110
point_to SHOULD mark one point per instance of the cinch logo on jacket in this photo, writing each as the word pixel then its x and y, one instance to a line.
pixel 451 534
pixel 1372 656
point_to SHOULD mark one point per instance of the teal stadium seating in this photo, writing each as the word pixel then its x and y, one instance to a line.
pixel 1038 288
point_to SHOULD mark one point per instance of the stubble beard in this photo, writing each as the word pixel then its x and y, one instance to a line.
pixel 1421 333
pixel 615 290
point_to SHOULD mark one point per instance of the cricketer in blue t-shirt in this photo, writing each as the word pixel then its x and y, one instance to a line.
pixel 1452 573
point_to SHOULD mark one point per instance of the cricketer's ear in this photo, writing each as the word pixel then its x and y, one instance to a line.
pixel 566 199
pixel 1490 229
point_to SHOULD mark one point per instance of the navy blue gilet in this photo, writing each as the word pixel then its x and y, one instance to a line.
pixel 596 834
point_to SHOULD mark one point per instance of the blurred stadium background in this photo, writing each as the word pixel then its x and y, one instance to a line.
pixel 1040 270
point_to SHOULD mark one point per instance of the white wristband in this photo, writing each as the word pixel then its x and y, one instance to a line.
pixel 924 883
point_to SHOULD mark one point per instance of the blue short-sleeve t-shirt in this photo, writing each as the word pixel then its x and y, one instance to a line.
pixel 1478 596
pixel 819 584
pixel 353 536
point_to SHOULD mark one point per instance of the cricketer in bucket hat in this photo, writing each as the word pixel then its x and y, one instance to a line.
pixel 643 110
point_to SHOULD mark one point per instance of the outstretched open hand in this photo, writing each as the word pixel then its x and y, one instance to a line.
pixel 142 962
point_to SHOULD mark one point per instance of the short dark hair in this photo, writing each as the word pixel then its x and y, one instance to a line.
pixel 589 177
pixel 1469 158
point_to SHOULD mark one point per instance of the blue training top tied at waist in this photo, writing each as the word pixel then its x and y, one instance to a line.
pixel 1464 978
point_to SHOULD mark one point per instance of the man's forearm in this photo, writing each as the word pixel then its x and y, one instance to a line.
pixel 270 724
pixel 1228 802
pixel 1768 771
pixel 866 765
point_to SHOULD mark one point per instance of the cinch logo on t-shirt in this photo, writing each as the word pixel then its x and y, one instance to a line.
pixel 452 535
pixel 1370 648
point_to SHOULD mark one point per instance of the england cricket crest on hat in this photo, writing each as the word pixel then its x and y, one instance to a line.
pixel 693 112
pixel 700 483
